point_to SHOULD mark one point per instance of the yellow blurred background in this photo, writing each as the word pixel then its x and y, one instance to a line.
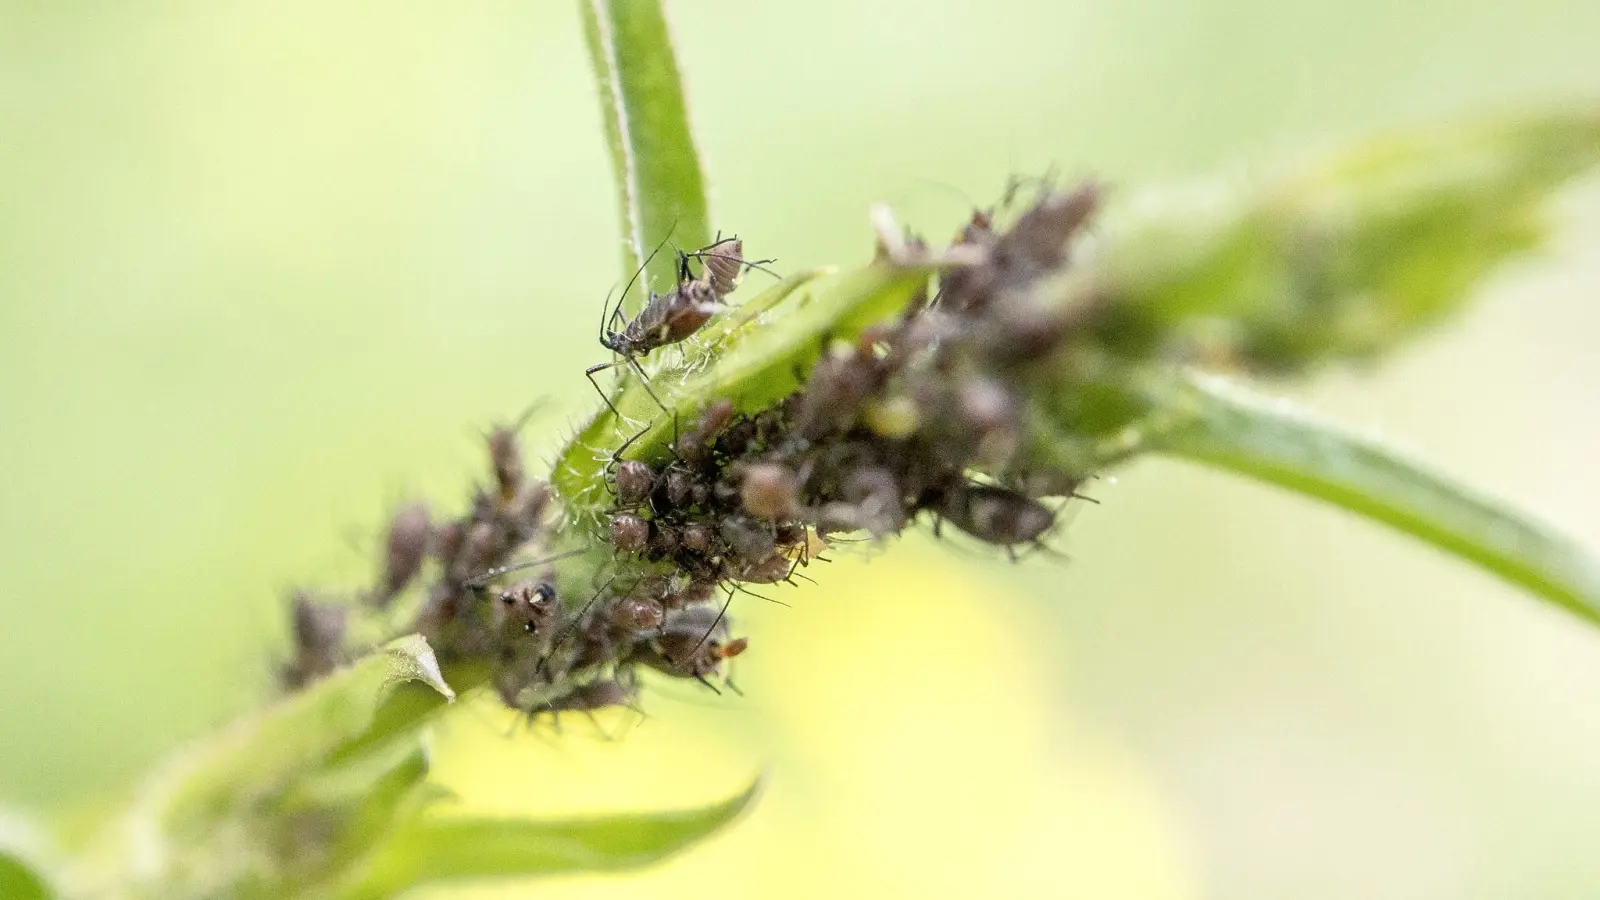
pixel 265 269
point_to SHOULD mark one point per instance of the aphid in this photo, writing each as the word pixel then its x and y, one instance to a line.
pixel 873 497
pixel 693 643
pixel 630 534
pixel 448 540
pixel 666 318
pixel 695 447
pixel 319 630
pixel 770 491
pixel 505 458
pixel 1041 234
pixel 676 491
pixel 664 540
pixel 747 538
pixel 637 614
pixel 590 697
pixel 696 537
pixel 995 515
pixel 529 606
pixel 692 593
pixel 524 514
pixel 775 568
pixel 505 452
pixel 484 545
pixel 724 264
pixel 634 481
pixel 409 532
pixel 839 385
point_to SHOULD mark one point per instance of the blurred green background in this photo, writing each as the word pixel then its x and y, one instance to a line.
pixel 265 269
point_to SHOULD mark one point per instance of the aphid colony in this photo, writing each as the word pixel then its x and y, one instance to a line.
pixel 886 428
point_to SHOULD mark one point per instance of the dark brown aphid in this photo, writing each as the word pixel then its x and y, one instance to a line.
pixel 775 568
pixel 693 643
pixel 666 318
pixel 448 540
pixel 1041 235
pixel 664 540
pixel 692 593
pixel 995 515
pixel 634 482
pixel 695 446
pixel 319 630
pixel 637 614
pixel 629 533
pixel 696 537
pixel 770 491
pixel 747 538
pixel 839 385
pixel 505 457
pixel 529 606
pixel 524 513
pixel 590 697
pixel 676 491
pixel 485 544
pixel 404 551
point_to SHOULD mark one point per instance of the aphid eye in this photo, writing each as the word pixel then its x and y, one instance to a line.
pixel 733 648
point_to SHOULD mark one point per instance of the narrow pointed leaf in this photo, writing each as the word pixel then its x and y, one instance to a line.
pixel 433 850
pixel 262 754
pixel 1224 426
pixel 661 192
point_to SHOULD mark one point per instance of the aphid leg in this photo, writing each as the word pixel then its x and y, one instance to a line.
pixel 644 382
pixel 589 373
pixel 577 622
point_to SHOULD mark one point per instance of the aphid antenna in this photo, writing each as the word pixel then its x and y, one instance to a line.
pixel 479 582
pixel 616 312
pixel 721 614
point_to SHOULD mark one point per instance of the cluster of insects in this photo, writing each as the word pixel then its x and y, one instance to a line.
pixel 886 429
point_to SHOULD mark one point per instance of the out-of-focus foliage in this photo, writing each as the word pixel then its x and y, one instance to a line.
pixel 182 178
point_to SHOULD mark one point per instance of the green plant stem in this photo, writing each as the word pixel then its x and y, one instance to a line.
pixel 1228 428
pixel 661 193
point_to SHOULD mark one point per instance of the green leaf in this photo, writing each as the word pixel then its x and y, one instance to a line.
pixel 263 754
pixel 332 821
pixel 661 193
pixel 1212 422
pixel 19 881
pixel 23 852
pixel 1346 257
pixel 438 849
